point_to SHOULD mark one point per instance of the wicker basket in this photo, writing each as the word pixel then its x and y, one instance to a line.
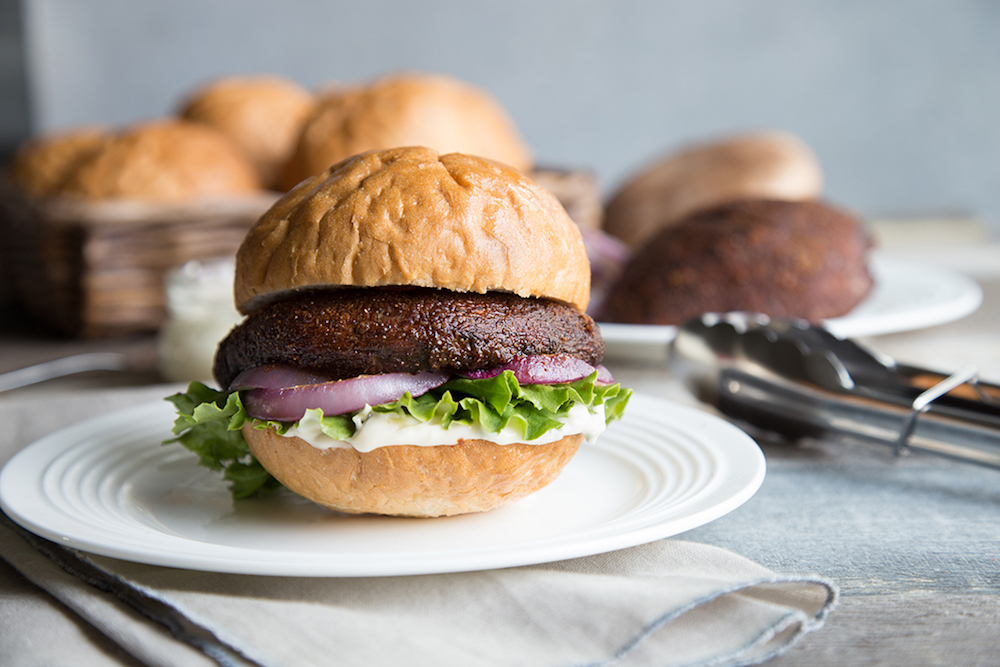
pixel 96 269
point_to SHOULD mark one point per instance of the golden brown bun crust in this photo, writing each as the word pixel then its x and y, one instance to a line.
pixel 42 165
pixel 764 165
pixel 168 161
pixel 262 115
pixel 407 480
pixel 409 216
pixel 406 110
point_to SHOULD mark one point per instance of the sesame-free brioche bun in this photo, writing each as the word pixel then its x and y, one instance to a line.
pixel 262 115
pixel 760 165
pixel 165 161
pixel 438 111
pixel 410 480
pixel 42 164
pixel 410 216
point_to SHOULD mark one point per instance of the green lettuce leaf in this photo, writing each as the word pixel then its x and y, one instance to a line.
pixel 209 421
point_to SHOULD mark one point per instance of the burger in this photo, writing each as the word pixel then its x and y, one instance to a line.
pixel 415 342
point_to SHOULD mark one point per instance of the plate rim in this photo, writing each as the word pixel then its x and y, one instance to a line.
pixel 37 457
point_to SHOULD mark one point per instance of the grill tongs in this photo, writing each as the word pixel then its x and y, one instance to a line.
pixel 800 381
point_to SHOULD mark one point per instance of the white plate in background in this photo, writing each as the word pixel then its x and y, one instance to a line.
pixel 906 296
pixel 107 486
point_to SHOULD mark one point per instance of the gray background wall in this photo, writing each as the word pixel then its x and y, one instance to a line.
pixel 900 98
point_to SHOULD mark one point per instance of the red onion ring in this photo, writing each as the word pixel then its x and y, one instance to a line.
pixel 603 375
pixel 545 369
pixel 275 376
pixel 289 403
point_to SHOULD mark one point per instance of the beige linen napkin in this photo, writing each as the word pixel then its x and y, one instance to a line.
pixel 666 603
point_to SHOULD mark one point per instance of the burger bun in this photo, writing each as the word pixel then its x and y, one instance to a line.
pixel 410 480
pixel 412 217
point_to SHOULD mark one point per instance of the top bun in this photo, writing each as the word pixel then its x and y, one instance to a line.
pixel 167 161
pixel 406 110
pixel 763 165
pixel 262 115
pixel 41 165
pixel 409 216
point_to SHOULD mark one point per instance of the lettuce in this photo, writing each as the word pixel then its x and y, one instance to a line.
pixel 209 421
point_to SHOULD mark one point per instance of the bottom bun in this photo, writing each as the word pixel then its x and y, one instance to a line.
pixel 407 480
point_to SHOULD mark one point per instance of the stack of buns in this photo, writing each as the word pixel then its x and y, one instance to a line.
pixel 239 136
pixel 231 138
pixel 243 134
pixel 153 195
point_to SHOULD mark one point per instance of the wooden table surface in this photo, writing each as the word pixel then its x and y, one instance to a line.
pixel 911 542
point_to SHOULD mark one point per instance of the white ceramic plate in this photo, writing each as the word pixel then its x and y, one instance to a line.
pixel 907 295
pixel 108 487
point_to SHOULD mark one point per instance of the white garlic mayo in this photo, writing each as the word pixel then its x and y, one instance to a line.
pixel 376 429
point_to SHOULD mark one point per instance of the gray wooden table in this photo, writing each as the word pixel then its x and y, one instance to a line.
pixel 913 542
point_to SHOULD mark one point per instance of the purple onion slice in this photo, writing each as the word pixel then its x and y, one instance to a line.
pixel 545 369
pixel 289 404
pixel 275 376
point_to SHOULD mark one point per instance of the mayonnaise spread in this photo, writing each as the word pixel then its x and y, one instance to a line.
pixel 376 429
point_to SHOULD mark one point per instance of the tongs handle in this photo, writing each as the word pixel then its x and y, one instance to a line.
pixel 794 409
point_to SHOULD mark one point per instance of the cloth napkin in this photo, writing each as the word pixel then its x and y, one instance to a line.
pixel 667 603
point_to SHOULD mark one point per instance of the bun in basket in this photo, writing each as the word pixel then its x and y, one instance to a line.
pixel 410 216
pixel 165 161
pixel 262 115
pixel 42 164
pixel 436 111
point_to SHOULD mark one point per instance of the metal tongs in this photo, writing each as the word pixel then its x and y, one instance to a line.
pixel 799 381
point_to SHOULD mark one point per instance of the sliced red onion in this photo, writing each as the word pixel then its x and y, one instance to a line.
pixel 545 369
pixel 288 404
pixel 275 376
